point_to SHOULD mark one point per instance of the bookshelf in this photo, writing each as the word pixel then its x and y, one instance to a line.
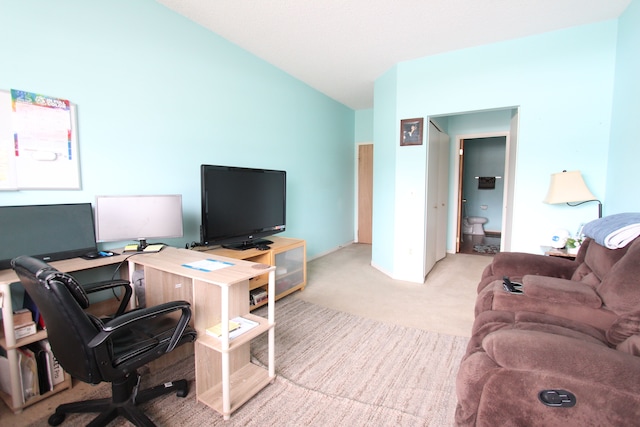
pixel 15 399
pixel 7 338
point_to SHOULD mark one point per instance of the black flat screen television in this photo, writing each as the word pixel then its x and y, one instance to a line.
pixel 46 232
pixel 241 206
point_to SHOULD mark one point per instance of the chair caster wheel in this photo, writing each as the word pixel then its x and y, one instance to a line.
pixel 56 419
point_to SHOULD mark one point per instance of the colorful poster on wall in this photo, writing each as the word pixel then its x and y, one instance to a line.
pixel 44 142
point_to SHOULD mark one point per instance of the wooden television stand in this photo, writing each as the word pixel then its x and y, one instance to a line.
pixel 288 255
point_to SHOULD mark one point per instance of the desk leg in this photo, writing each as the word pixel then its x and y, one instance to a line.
pixel 226 380
pixel 271 312
pixel 131 267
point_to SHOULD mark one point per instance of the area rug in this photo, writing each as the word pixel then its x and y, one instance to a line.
pixel 333 368
pixel 486 249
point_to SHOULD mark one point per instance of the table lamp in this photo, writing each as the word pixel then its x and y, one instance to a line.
pixel 569 187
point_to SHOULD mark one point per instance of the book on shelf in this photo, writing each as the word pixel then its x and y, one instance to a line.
pixel 42 364
pixel 38 373
pixel 241 325
pixel 29 373
pixel 28 303
pixel 258 295
pixel 23 330
pixel 23 324
pixel 5 381
pixel 50 372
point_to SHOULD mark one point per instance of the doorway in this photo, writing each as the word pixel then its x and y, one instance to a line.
pixel 481 193
pixel 365 193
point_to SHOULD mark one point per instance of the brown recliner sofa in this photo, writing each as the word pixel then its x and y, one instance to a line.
pixel 565 351
pixel 601 288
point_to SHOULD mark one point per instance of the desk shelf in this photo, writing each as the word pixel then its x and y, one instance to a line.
pixel 244 383
pixel 234 343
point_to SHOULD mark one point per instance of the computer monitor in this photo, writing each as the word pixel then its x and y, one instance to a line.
pixel 141 218
pixel 46 232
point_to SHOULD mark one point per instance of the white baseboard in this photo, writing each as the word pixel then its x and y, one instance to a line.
pixel 330 251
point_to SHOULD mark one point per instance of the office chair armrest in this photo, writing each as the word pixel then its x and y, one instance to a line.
pixel 110 284
pixel 129 319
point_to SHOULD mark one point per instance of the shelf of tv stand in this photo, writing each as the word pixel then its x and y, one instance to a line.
pixel 289 257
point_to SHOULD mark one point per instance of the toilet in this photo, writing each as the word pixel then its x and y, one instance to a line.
pixel 474 225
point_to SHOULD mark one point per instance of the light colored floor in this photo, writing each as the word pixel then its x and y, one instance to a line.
pixel 344 280
pixel 469 241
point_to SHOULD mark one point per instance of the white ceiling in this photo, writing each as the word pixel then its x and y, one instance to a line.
pixel 340 47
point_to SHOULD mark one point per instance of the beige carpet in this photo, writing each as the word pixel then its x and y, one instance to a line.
pixel 333 369
pixel 345 280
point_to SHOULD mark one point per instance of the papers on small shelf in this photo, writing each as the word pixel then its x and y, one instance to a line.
pixel 216 331
pixel 207 265
pixel 237 327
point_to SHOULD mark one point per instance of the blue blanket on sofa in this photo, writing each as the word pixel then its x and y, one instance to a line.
pixel 614 231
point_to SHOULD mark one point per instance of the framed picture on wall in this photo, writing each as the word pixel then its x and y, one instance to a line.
pixel 411 131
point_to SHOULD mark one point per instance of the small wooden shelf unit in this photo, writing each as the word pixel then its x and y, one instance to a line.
pixel 288 255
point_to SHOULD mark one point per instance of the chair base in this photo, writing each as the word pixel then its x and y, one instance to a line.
pixel 124 401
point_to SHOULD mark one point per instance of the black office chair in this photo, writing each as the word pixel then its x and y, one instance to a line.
pixel 94 350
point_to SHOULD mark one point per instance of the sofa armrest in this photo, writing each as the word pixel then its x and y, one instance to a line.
pixel 560 291
pixel 557 356
pixel 517 264
pixel 520 264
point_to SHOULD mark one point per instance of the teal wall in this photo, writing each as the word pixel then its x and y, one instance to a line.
pixel 562 83
pixel 384 171
pixel 157 95
pixel 364 126
pixel 624 150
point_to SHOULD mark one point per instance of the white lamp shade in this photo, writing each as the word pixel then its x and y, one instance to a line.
pixel 568 187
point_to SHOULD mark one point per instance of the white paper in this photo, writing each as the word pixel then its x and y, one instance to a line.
pixel 207 265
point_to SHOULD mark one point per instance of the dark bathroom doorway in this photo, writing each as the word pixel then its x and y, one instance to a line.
pixel 481 191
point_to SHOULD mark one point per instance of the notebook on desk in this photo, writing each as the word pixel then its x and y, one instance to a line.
pixel 149 248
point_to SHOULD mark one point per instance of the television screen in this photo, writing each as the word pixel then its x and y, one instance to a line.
pixel 120 218
pixel 241 206
pixel 46 232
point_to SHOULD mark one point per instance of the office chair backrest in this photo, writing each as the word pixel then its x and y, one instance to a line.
pixel 61 301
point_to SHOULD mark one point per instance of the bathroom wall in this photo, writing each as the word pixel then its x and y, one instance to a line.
pixel 484 157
